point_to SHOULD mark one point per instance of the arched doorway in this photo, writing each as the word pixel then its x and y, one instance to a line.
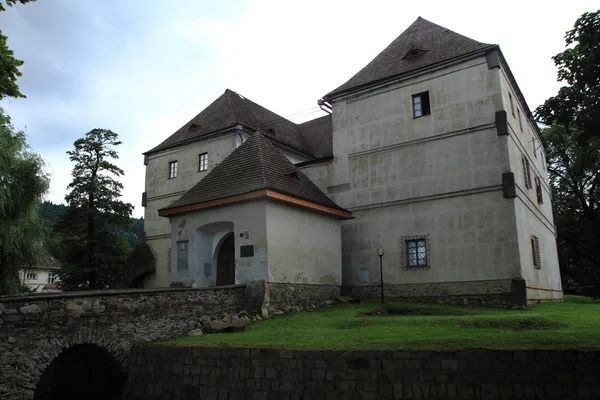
pixel 84 371
pixel 226 261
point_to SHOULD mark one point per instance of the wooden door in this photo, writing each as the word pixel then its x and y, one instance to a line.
pixel 226 262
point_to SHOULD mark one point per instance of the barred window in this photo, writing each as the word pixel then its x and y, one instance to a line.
pixel 416 253
pixel 31 275
pixel 526 172
pixel 535 252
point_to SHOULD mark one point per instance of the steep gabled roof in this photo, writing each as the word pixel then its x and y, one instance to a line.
pixel 255 165
pixel 433 44
pixel 318 133
pixel 231 109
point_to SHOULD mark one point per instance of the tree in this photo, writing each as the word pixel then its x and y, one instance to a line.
pixel 94 255
pixel 574 169
pixel 9 65
pixel 23 182
pixel 577 105
pixel 573 147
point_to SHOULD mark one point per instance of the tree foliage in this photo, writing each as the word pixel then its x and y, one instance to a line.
pixel 23 182
pixel 574 169
pixel 9 65
pixel 577 105
pixel 94 254
pixel 573 147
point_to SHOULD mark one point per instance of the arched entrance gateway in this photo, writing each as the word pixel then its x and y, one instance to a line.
pixel 226 261
pixel 84 371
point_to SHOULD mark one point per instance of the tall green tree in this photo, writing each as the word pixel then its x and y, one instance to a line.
pixel 573 147
pixel 94 254
pixel 23 182
pixel 574 172
pixel 9 65
pixel 577 105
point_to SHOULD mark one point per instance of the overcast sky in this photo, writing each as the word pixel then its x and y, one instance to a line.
pixel 143 68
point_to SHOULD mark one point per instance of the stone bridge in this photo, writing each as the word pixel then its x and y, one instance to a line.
pixel 42 336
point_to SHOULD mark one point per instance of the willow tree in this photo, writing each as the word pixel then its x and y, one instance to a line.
pixel 23 183
pixel 94 254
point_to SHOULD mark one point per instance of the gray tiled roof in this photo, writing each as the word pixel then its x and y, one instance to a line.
pixel 231 109
pixel 256 164
pixel 439 43
pixel 318 133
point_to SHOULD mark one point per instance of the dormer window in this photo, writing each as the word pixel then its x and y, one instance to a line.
pixel 420 103
pixel 413 53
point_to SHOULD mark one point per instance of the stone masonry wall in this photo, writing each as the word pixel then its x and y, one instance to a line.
pixel 497 293
pixel 34 329
pixel 182 373
pixel 286 295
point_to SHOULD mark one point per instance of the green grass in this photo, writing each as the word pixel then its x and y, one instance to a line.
pixel 573 324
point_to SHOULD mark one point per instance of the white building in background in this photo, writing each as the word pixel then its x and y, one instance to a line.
pixel 43 278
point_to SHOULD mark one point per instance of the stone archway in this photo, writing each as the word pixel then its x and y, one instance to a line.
pixel 83 371
pixel 32 368
pixel 226 261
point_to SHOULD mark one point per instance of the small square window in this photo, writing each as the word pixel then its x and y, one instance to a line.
pixel 535 252
pixel 538 190
pixel 416 253
pixel 203 162
pixel 420 104
pixel 31 275
pixel 173 169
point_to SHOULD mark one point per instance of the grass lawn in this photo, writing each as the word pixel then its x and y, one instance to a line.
pixel 574 324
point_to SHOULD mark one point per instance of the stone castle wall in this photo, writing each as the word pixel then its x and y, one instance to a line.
pixel 182 373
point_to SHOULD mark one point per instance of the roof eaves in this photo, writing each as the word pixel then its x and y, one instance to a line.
pixel 193 140
pixel 365 86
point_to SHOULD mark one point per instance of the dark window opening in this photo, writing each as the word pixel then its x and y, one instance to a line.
pixel 416 253
pixel 526 172
pixel 421 105
pixel 538 190
pixel 535 252
pixel 512 107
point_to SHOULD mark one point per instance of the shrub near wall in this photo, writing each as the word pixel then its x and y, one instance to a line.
pixel 176 373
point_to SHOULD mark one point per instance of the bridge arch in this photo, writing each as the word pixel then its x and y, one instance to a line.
pixel 56 356
pixel 82 371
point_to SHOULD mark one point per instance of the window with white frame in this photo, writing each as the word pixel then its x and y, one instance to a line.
pixel 172 169
pixel 52 277
pixel 31 275
pixel 421 105
pixel 203 162
pixel 535 252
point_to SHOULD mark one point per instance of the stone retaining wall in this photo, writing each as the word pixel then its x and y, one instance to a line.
pixel 179 373
pixel 34 329
pixel 496 293
pixel 286 295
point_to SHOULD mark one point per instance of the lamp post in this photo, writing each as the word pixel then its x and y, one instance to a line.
pixel 380 254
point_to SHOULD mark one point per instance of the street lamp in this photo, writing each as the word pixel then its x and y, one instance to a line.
pixel 380 254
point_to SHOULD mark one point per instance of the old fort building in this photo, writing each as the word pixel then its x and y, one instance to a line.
pixel 430 152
